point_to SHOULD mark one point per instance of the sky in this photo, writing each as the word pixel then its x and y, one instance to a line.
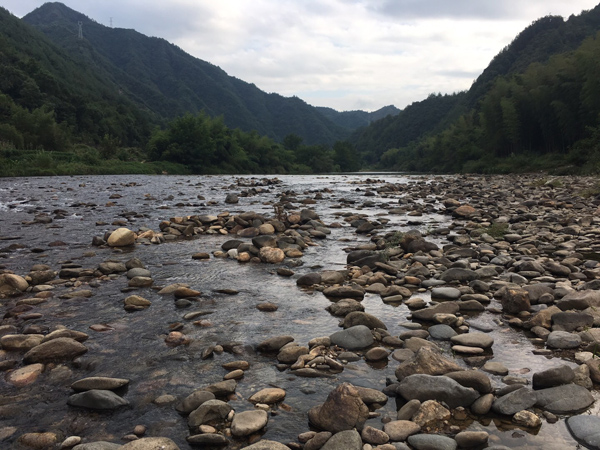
pixel 343 54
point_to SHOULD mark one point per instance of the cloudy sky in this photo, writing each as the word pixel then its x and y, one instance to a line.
pixel 345 54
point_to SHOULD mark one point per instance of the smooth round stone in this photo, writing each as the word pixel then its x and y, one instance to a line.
pixel 25 375
pixel 140 282
pixel 467 350
pixel 563 340
pixel 148 443
pixel 432 441
pixel 469 439
pixel 138 272
pixel 234 375
pixel 376 354
pixel 208 440
pixel 495 368
pixel 402 354
pixel 445 293
pixel 483 404
pixel 348 356
pixel 38 440
pixel 268 396
pixel 267 307
pixel 399 430
pixel 415 303
pixel 233 365
pixel 585 429
pixel 97 399
pixel 441 332
pixel 248 422
pixel 480 340
pixel 353 338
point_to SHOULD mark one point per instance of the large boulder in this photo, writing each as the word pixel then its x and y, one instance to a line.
pixel 343 410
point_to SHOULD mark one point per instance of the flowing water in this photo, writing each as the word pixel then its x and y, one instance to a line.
pixel 134 346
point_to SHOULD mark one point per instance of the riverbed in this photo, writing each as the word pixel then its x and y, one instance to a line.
pixel 52 221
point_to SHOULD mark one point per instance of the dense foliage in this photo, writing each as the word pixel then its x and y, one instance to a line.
pixel 48 101
pixel 207 145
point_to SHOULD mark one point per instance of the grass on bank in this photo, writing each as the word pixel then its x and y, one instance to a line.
pixel 83 160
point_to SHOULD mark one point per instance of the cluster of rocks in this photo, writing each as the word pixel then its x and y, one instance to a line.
pixel 526 253
pixel 271 240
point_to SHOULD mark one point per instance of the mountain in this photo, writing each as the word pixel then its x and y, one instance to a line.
pixel 166 81
pixel 48 98
pixel 538 43
pixel 357 119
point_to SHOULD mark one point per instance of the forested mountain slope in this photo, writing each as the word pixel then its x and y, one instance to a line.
pixel 167 81
pixel 537 44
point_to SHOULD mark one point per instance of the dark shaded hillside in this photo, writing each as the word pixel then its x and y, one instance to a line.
pixel 48 99
pixel 411 123
pixel 169 82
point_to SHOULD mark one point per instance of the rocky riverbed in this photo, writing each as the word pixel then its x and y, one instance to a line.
pixel 337 312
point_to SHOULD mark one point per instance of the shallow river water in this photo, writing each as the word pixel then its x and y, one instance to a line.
pixel 134 346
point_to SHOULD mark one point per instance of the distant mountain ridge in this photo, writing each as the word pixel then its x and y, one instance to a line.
pixel 162 78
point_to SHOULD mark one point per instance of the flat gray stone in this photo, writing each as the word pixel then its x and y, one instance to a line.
pixel 97 399
pixel 427 387
pixel 344 440
pixel 555 376
pixel 445 293
pixel 458 274
pixel 441 332
pixel 353 338
pixel 210 410
pixel 565 399
pixel 248 422
pixel 480 340
pixel 441 308
pixel 586 430
pixel 563 340
pixel 432 442
pixel 515 401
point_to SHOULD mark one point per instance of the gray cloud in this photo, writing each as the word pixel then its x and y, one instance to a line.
pixel 345 54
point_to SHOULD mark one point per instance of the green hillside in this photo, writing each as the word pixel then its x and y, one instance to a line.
pixel 168 82
pixel 449 129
